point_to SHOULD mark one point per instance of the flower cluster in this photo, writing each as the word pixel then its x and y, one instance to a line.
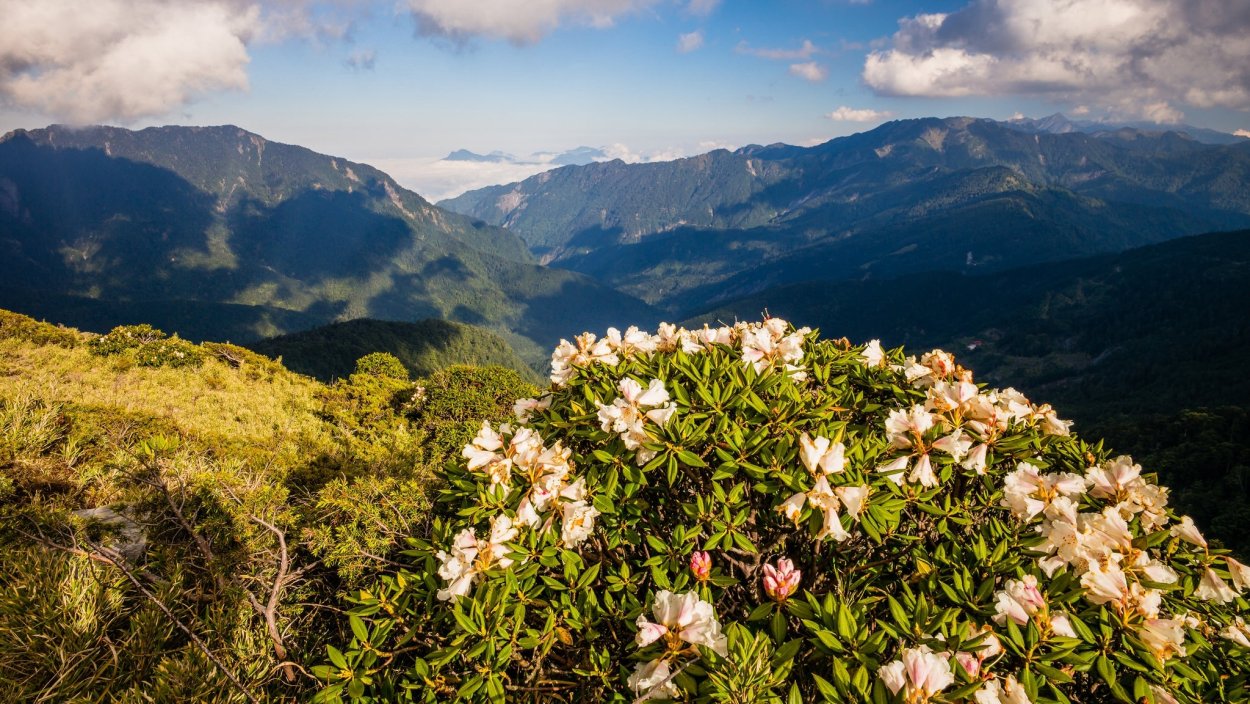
pixel 550 497
pixel 772 343
pixel 630 412
pixel 471 556
pixel 824 458
pixel 919 673
pixel 957 420
pixel 682 621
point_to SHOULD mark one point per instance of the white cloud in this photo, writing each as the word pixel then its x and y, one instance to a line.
pixel 516 21
pixel 121 59
pixel 703 8
pixel 810 70
pixel 436 179
pixel 805 51
pixel 849 114
pixel 1079 111
pixel 1242 133
pixel 687 43
pixel 1133 57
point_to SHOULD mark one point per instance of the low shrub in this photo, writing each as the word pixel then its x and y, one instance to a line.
pixel 752 514
pixel 20 327
pixel 382 364
pixel 124 337
pixel 169 352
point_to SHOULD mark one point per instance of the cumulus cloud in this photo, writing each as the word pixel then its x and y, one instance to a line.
pixel 518 22
pixel 1132 57
pixel 805 51
pixel 849 114
pixel 121 59
pixel 687 43
pixel 810 71
pixel 1242 133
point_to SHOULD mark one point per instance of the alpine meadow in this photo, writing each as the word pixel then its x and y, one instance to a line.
pixel 623 351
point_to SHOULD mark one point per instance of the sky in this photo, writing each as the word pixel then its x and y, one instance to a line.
pixel 401 83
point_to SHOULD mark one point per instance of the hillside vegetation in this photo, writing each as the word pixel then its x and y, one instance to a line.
pixel 177 520
pixel 331 351
pixel 218 215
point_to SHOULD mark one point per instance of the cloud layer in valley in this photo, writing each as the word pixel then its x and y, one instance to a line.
pixel 1141 58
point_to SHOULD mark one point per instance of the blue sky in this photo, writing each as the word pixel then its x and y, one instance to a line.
pixel 400 84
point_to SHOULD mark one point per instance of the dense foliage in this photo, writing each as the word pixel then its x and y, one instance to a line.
pixel 753 514
pixel 424 347
pixel 182 533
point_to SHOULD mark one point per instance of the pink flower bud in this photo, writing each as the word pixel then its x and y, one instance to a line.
pixel 781 581
pixel 701 565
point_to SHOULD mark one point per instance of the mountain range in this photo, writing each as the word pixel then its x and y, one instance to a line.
pixel 955 194
pixel 228 220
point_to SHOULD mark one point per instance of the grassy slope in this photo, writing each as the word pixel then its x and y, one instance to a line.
pixel 341 469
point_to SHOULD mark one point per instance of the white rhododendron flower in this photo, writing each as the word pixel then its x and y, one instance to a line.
pixel 579 522
pixel 1187 531
pixel 681 618
pixel 471 556
pixel 629 414
pixel 1240 573
pixel 652 680
pixel 919 672
pixel 457 566
pixel 1018 601
pixel 525 408
pixel 1027 492
pixel 586 349
pixel 1008 691
pixel 820 456
pixel 873 355
pixel 1238 632
pixel 1212 588
pixel 767 345
pixel 853 498
pixel 822 497
pixel 1164 636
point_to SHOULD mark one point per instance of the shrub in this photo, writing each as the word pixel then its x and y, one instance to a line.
pixel 382 364
pixel 450 405
pixel 169 352
pixel 752 514
pixel 124 337
pixel 20 327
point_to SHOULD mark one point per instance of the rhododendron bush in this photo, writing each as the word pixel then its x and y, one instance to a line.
pixel 753 514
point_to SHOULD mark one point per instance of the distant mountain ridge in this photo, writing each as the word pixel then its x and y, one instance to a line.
pixel 219 215
pixel 958 194
pixel 1059 123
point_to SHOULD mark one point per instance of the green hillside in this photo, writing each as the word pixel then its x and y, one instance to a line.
pixel 423 347
pixel 163 504
pixel 219 215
